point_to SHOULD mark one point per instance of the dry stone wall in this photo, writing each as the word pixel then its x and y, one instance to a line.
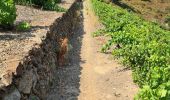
pixel 34 75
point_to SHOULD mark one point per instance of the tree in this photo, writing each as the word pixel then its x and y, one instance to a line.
pixel 7 13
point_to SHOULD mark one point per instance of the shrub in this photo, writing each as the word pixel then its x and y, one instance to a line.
pixel 45 4
pixel 23 26
pixel 38 2
pixel 51 5
pixel 22 2
pixel 7 13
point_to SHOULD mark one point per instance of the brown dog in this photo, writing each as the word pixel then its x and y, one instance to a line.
pixel 63 51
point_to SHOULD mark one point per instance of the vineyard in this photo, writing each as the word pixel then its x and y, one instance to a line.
pixel 84 50
pixel 144 47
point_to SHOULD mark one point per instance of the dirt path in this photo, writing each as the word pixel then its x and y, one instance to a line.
pixel 101 78
pixel 91 75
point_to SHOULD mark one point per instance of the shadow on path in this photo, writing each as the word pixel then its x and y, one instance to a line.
pixel 17 35
pixel 67 78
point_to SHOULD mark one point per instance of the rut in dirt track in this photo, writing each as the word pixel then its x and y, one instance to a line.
pixel 91 75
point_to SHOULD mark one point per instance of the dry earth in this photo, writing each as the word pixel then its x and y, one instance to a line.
pixel 152 10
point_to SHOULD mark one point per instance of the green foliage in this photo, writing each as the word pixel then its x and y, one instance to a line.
pixel 23 2
pixel 45 4
pixel 35 2
pixel 23 26
pixel 7 13
pixel 39 2
pixel 145 47
pixel 99 32
pixel 51 5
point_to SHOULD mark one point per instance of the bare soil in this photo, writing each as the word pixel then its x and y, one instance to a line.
pixel 151 10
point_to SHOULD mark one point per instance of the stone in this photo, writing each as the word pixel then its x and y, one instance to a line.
pixel 14 95
pixel 28 82
pixel 33 97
